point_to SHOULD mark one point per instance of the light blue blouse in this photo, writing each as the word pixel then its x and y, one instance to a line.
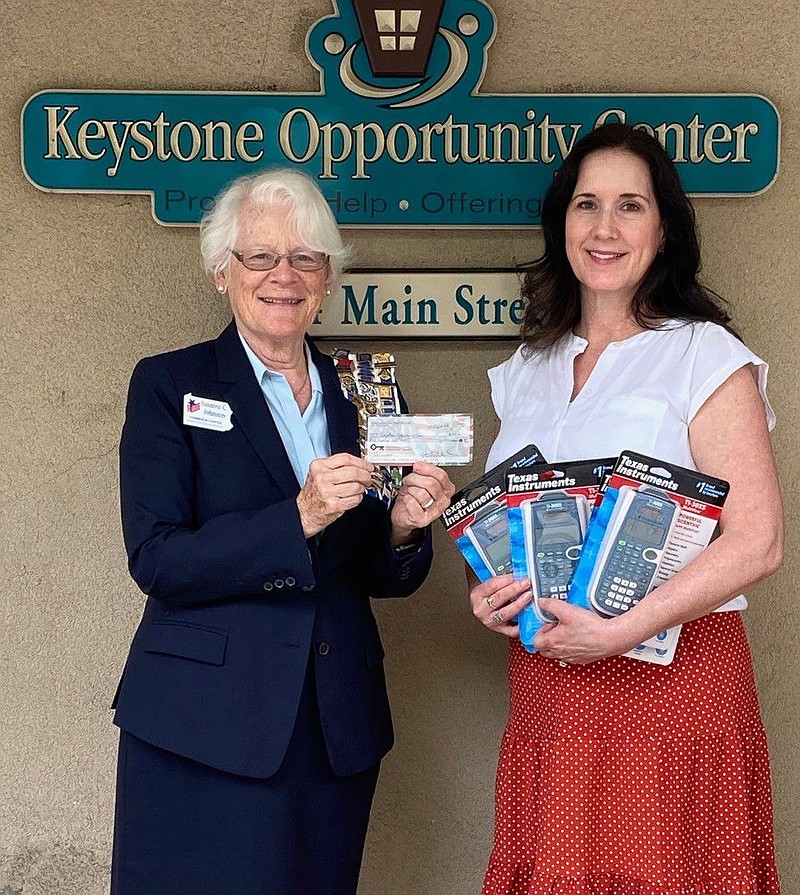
pixel 305 436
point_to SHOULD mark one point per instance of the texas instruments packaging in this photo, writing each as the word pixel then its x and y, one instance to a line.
pixel 654 518
pixel 548 514
pixel 476 518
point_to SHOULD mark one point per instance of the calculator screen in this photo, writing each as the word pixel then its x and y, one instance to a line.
pixel 499 550
pixel 556 526
pixel 491 533
pixel 640 529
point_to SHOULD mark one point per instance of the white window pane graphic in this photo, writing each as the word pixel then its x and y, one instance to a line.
pixel 385 20
pixel 409 20
pixel 388 43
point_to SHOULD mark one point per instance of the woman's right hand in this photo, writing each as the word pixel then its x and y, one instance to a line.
pixel 497 602
pixel 333 486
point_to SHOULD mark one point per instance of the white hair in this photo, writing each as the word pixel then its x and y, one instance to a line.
pixel 308 212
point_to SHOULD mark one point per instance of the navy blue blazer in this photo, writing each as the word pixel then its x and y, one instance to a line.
pixel 237 597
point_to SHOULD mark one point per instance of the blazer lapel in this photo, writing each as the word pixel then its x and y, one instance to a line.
pixel 337 539
pixel 341 413
pixel 250 410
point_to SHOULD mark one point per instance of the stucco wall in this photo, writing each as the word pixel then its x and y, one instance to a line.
pixel 90 284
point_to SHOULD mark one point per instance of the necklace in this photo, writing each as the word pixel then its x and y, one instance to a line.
pixel 303 396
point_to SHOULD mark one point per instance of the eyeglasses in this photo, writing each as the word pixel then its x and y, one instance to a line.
pixel 306 260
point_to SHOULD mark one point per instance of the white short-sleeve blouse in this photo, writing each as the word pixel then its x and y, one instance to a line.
pixel 641 395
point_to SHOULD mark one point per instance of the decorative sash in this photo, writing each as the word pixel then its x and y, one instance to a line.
pixel 368 380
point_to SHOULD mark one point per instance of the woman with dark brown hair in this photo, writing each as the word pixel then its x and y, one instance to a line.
pixel 618 776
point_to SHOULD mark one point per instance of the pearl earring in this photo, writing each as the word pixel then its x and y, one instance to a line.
pixel 220 288
pixel 327 291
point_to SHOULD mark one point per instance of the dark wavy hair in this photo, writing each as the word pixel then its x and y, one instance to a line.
pixel 669 289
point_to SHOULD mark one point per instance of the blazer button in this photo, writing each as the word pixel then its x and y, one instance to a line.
pixel 267 585
pixel 279 583
pixel 290 582
pixel 307 587
pixel 323 649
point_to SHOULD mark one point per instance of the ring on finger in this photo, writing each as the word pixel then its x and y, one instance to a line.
pixel 490 601
pixel 496 618
pixel 428 504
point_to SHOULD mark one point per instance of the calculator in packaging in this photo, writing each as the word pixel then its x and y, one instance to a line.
pixel 653 518
pixel 477 521
pixel 548 514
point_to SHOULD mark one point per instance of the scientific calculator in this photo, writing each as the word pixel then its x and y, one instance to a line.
pixel 554 527
pixel 634 544
pixel 489 536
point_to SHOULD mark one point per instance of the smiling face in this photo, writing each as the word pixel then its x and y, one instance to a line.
pixel 272 307
pixel 613 226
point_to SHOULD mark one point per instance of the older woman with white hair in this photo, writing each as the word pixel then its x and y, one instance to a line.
pixel 253 707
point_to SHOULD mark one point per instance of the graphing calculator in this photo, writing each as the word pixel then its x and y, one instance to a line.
pixel 554 526
pixel 489 536
pixel 634 544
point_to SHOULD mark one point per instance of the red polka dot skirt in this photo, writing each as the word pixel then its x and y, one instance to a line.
pixel 625 778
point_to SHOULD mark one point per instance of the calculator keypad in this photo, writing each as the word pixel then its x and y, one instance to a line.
pixel 627 581
pixel 554 573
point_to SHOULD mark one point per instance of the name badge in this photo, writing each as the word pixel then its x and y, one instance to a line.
pixel 206 413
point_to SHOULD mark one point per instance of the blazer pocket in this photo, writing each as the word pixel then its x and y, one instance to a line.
pixel 187 641
pixel 373 648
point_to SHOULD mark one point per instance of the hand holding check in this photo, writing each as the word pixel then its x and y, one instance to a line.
pixel 424 442
pixel 334 485
pixel 423 497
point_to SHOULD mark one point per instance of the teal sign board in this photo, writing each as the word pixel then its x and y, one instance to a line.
pixel 399 134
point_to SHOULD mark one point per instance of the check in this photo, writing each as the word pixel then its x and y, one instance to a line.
pixel 443 439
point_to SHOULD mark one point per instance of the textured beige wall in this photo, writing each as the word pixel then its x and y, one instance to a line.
pixel 91 283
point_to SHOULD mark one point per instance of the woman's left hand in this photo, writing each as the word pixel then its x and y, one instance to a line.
pixel 423 497
pixel 580 636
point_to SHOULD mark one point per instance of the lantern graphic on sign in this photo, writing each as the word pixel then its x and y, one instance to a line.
pixel 398 34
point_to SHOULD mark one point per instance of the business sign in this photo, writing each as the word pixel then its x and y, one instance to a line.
pixel 396 304
pixel 399 134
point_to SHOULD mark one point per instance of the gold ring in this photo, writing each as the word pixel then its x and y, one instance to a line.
pixel 496 618
pixel 489 600
pixel 427 505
